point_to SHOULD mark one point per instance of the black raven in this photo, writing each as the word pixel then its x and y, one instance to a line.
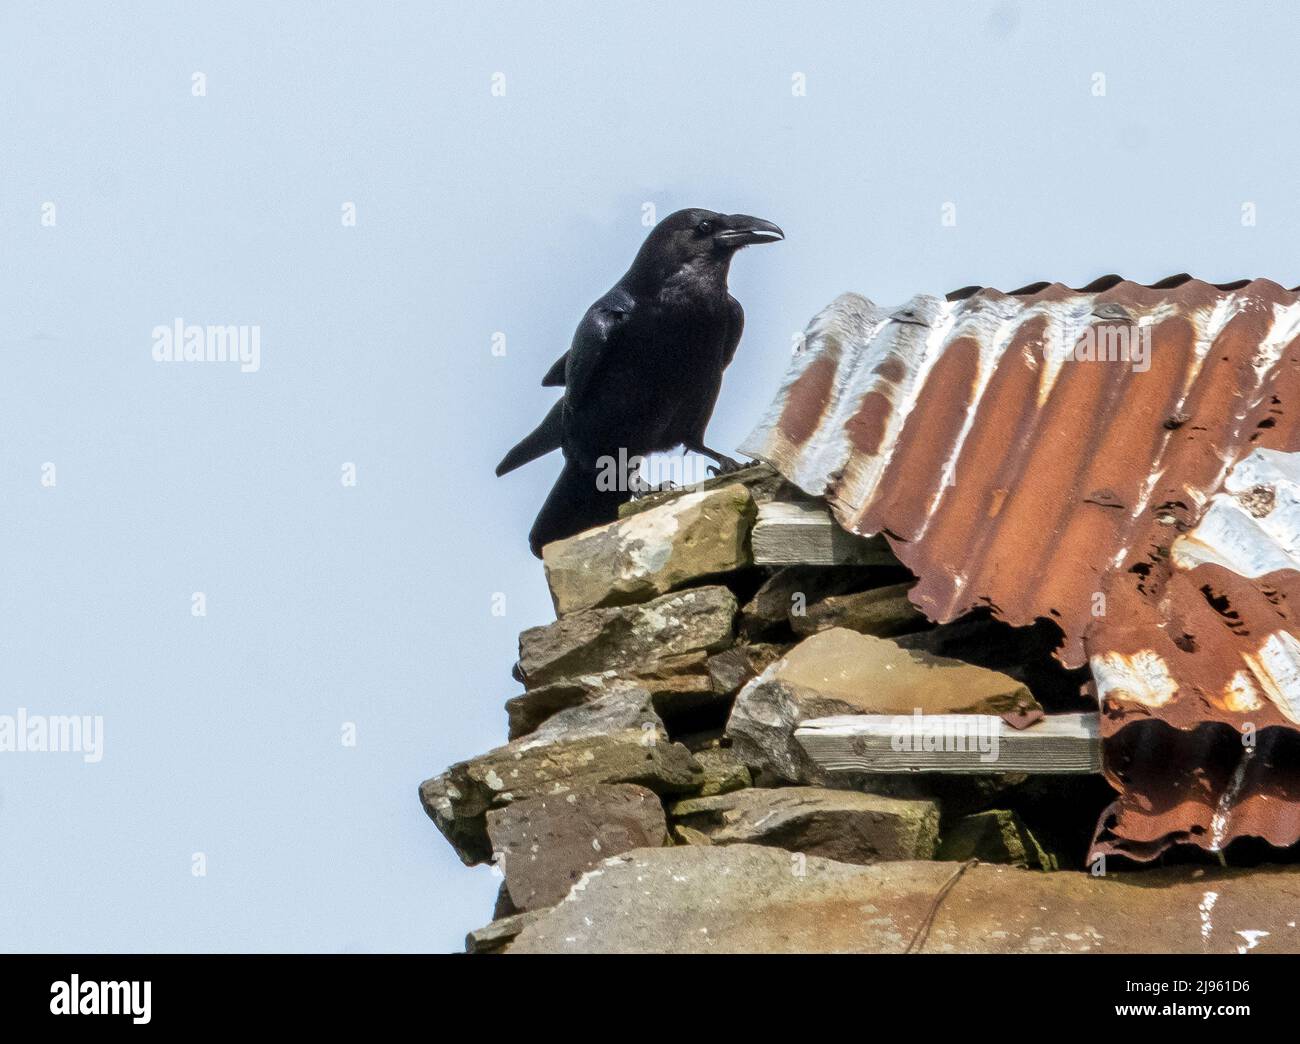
pixel 644 369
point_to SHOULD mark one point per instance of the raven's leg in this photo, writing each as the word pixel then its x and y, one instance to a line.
pixel 725 464
pixel 696 419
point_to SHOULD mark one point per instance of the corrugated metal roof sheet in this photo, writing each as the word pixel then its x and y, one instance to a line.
pixel 1120 459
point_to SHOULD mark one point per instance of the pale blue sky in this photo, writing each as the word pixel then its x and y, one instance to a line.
pixel 475 214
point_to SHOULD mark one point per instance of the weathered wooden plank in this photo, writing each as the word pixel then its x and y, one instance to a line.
pixel 806 534
pixel 964 743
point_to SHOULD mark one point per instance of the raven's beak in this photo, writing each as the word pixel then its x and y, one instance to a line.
pixel 743 230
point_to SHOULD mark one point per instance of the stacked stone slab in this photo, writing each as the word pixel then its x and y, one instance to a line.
pixel 659 709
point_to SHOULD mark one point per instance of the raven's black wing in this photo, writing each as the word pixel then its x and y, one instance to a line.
pixel 578 501
pixel 596 326
pixel 594 344
pixel 735 327
pixel 591 344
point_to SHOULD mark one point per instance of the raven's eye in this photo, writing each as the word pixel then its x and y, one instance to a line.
pixel 704 227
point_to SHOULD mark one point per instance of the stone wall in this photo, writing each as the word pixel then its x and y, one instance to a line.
pixel 654 744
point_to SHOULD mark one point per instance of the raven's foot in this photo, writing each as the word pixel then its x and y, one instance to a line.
pixel 725 466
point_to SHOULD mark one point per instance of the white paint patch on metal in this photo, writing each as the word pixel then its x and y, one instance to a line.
pixel 1253 526
pixel 1141 677
pixel 1277 668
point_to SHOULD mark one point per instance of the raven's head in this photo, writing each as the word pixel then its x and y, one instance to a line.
pixel 700 238
pixel 692 233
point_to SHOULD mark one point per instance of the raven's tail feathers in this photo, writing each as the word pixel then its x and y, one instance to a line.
pixel 575 503
pixel 545 437
pixel 555 375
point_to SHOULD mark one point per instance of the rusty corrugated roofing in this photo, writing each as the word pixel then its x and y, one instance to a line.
pixel 1120 459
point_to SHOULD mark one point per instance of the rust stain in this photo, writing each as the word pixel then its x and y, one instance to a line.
pixel 1119 459
pixel 807 400
pixel 866 428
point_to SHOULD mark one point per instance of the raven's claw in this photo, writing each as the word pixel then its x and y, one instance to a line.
pixel 725 466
